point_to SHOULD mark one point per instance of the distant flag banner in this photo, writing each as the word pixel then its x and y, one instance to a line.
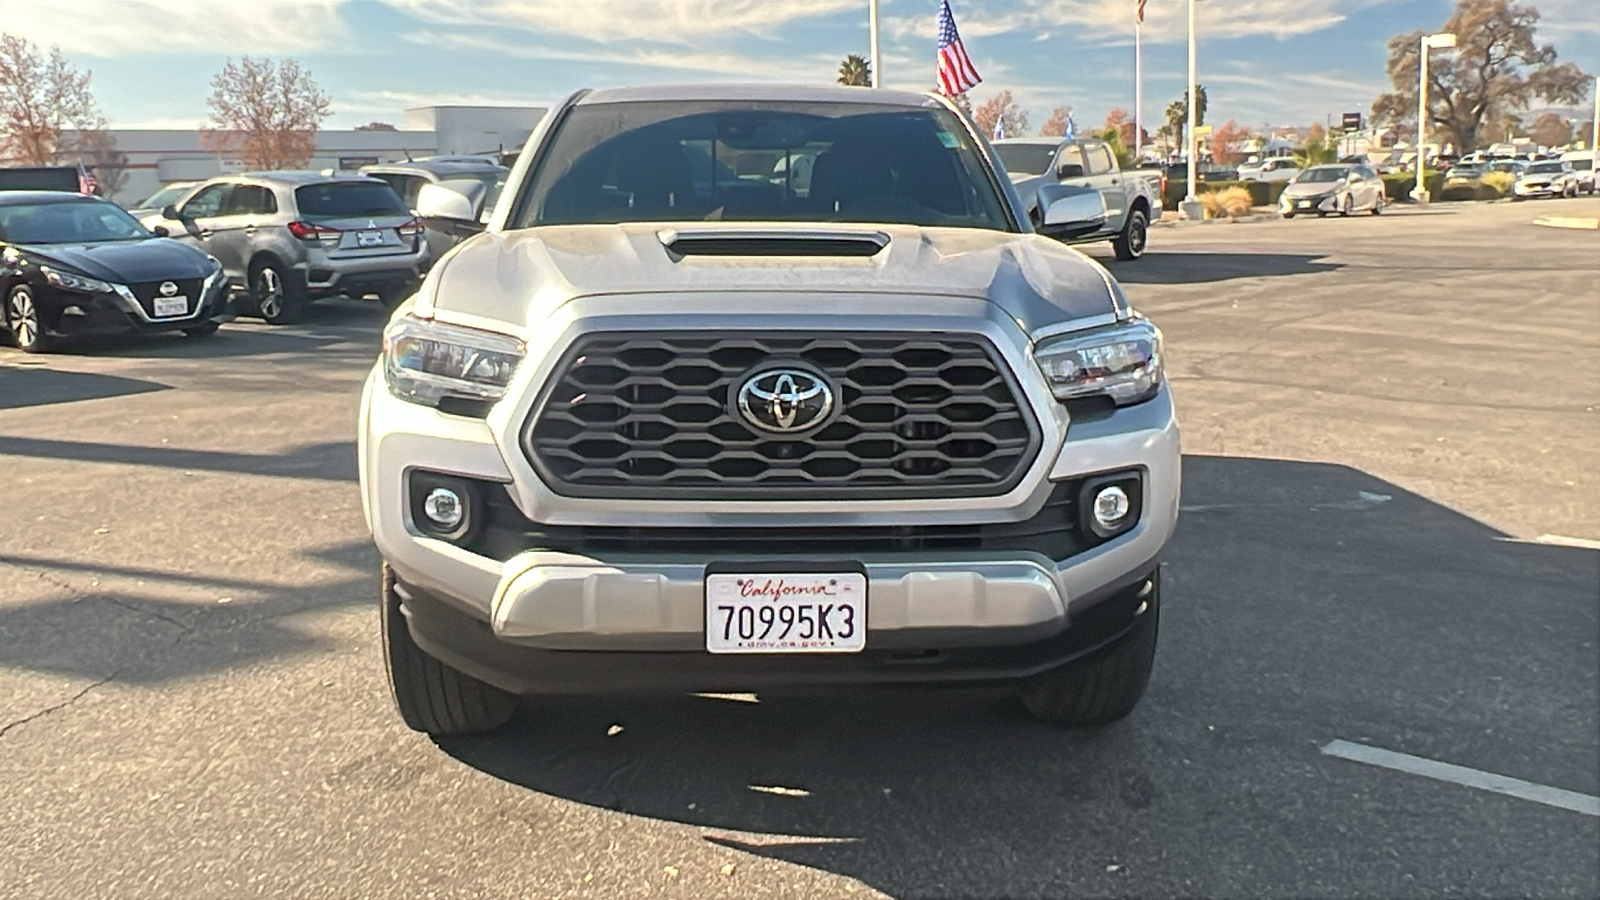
pixel 956 73
pixel 1138 12
pixel 87 184
pixel 1071 131
pixel 999 129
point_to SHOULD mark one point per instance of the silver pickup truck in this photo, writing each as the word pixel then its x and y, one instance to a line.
pixel 668 425
pixel 1131 198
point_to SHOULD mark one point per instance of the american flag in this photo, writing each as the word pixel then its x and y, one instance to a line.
pixel 1138 12
pixel 956 74
pixel 87 183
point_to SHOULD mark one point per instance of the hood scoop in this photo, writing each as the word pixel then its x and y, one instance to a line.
pixel 683 242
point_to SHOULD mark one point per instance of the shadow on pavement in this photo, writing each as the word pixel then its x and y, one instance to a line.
pixel 133 637
pixel 1200 267
pixel 33 386
pixel 332 461
pixel 1303 603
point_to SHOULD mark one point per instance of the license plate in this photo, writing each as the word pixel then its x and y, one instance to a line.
pixel 786 613
pixel 167 307
pixel 369 238
pixel 1305 204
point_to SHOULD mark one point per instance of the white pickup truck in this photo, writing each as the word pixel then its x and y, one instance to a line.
pixel 1131 198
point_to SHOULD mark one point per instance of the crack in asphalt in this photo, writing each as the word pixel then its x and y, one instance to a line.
pixel 4 730
pixel 187 629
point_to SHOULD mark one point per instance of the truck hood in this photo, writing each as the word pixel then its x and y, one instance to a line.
pixel 521 277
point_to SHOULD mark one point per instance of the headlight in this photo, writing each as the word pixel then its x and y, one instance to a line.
pixel 1123 362
pixel 425 361
pixel 75 282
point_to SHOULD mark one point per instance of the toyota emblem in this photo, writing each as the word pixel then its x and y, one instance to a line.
pixel 784 401
pixel 169 288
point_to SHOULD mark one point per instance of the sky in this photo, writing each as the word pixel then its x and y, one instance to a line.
pixel 1263 62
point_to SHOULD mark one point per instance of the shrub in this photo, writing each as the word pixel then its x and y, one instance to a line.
pixel 1500 181
pixel 1472 190
pixel 1232 202
pixel 1262 193
pixel 1398 185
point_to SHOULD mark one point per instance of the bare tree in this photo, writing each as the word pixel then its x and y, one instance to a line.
pixel 1056 125
pixel 1551 130
pixel 855 71
pixel 963 102
pixel 267 112
pixel 47 113
pixel 1001 109
pixel 1497 69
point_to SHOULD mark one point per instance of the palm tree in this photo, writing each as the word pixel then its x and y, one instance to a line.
pixel 855 71
pixel 1177 121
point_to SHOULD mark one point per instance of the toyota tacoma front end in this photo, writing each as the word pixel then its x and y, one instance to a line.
pixel 676 422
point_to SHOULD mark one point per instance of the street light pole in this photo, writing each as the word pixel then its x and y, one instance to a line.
pixel 1419 192
pixel 877 61
pixel 1594 138
pixel 1191 206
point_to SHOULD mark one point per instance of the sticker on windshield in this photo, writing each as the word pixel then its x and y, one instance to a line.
pixel 949 140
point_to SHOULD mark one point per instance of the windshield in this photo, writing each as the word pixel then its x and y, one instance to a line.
pixel 1329 174
pixel 349 199
pixel 1026 159
pixel 73 222
pixel 163 197
pixel 752 162
pixel 1543 169
pixel 1581 165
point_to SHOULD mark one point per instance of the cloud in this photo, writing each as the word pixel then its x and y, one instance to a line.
pixel 659 21
pixel 705 61
pixel 1166 21
pixel 117 28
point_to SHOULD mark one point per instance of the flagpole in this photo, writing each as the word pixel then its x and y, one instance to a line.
pixel 1138 91
pixel 1191 205
pixel 877 61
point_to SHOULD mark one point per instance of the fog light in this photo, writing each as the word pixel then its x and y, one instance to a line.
pixel 73 311
pixel 1110 507
pixel 444 508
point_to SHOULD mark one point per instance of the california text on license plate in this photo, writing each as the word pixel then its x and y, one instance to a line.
pixel 369 238
pixel 786 613
pixel 171 306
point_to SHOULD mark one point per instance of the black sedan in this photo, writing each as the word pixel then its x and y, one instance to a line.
pixel 72 264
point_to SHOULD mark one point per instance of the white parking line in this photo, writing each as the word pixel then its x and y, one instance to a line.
pixel 1485 781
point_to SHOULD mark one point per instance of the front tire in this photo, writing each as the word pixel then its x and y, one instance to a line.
pixel 1348 207
pixel 432 697
pixel 1377 206
pixel 277 298
pixel 1130 243
pixel 22 318
pixel 1105 685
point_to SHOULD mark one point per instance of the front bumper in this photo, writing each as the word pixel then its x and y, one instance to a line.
pixel 73 314
pixel 654 602
pixel 1289 205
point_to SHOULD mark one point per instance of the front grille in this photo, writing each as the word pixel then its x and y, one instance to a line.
pixel 1055 532
pixel 650 416
pixel 150 290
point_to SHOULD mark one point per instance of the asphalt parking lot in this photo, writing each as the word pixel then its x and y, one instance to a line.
pixel 1392 505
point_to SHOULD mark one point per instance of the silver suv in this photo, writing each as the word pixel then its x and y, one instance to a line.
pixel 286 238
pixel 674 425
pixel 408 178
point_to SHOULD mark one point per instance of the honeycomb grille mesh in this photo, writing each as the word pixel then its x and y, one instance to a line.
pixel 648 415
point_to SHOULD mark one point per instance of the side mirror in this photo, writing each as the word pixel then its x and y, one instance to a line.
pixel 1069 170
pixel 454 206
pixel 1069 212
pixel 170 212
pixel 161 231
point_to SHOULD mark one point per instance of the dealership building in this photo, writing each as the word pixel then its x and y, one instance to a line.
pixel 158 157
